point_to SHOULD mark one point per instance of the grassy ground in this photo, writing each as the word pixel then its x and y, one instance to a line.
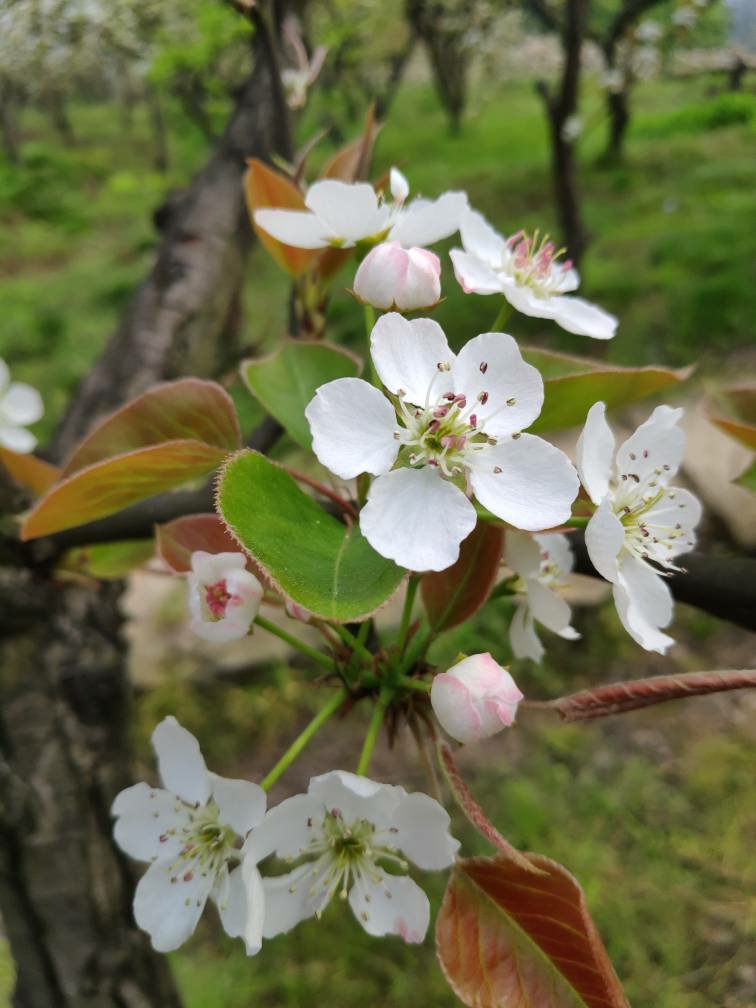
pixel 655 812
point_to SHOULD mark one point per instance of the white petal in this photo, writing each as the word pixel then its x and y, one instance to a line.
pixel 522 635
pixel 604 536
pixel 241 803
pixel 169 910
pixel 349 210
pixel 21 404
pixel 677 510
pixel 221 631
pixel 522 553
pixel 424 222
pixel 398 185
pixel 406 356
pixel 394 905
pixel 421 286
pixel 17 439
pixel 480 239
pixel 453 706
pixel 293 227
pixel 144 816
pixel 353 426
pixel 422 832
pixel 644 604
pixel 526 300
pixel 212 567
pixel 583 318
pixel 242 905
pixel 182 768
pixel 492 364
pixel 473 275
pixel 595 453
pixel 4 376
pixel 657 443
pixel 355 797
pixel 380 275
pixel 557 549
pixel 535 488
pixel 287 828
pixel 548 607
pixel 292 898
pixel 417 519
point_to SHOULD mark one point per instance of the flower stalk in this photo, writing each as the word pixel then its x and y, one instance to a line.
pixel 303 739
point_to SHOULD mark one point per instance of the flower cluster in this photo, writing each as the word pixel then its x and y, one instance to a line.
pixel 205 835
pixel 20 405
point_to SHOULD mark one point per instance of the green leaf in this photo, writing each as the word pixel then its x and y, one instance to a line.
pixel 507 937
pixel 453 595
pixel 748 478
pixel 286 381
pixel 328 568
pixel 573 384
pixel 115 483
pixel 108 560
pixel 185 410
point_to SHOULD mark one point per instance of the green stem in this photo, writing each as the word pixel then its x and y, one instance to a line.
pixel 369 320
pixel 578 521
pixel 417 648
pixel 352 642
pixel 421 685
pixel 501 318
pixel 409 600
pixel 296 643
pixel 303 739
pixel 372 733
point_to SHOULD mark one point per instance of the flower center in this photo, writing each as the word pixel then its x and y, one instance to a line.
pixel 534 262
pixel 207 843
pixel 217 598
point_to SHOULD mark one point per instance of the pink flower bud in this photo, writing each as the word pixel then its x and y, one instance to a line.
pixel 394 277
pixel 475 699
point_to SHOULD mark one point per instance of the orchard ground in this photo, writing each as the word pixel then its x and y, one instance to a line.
pixel 655 812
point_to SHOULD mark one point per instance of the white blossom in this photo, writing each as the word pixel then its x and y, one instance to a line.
pixel 298 79
pixel 343 834
pixel 344 213
pixel 543 563
pixel 391 277
pixel 475 699
pixel 223 596
pixel 641 524
pixel 20 405
pixel 450 427
pixel 572 127
pixel 527 270
pixel 191 831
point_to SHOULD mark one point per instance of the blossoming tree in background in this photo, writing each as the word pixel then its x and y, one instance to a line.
pixel 429 483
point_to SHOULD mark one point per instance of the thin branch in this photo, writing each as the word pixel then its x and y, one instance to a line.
pixel 628 696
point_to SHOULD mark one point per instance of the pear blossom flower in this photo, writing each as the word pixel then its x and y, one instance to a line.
pixel 298 79
pixel 527 270
pixel 190 832
pixel 344 833
pixel 641 524
pixel 450 427
pixel 391 277
pixel 572 128
pixel 543 563
pixel 613 79
pixel 20 405
pixel 223 596
pixel 475 699
pixel 345 213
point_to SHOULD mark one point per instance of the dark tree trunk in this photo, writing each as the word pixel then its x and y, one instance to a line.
pixel 446 51
pixel 560 107
pixel 736 74
pixel 618 110
pixel 56 104
pixel 8 127
pixel 65 890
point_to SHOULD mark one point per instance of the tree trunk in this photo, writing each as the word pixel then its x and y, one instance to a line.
pixel 618 111
pixel 65 890
pixel 448 59
pixel 8 128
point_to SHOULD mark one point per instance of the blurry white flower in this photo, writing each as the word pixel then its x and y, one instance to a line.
pixel 344 213
pixel 648 31
pixel 572 127
pixel 223 596
pixel 613 79
pixel 527 271
pixel 641 524
pixel 393 277
pixel 298 79
pixel 348 829
pixel 475 699
pixel 20 405
pixel 454 422
pixel 189 833
pixel 684 17
pixel 543 563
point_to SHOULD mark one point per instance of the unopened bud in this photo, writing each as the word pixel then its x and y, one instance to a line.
pixel 475 699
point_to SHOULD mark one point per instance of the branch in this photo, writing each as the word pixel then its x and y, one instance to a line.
pixel 628 696
pixel 630 12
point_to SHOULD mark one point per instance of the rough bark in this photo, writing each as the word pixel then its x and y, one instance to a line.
pixel 65 891
pixel 560 106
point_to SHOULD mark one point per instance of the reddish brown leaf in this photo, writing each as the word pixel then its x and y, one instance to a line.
pixel 177 540
pixel 115 483
pixel 28 471
pixel 185 410
pixel 507 938
pixel 352 161
pixel 628 696
pixel 264 187
pixel 453 595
